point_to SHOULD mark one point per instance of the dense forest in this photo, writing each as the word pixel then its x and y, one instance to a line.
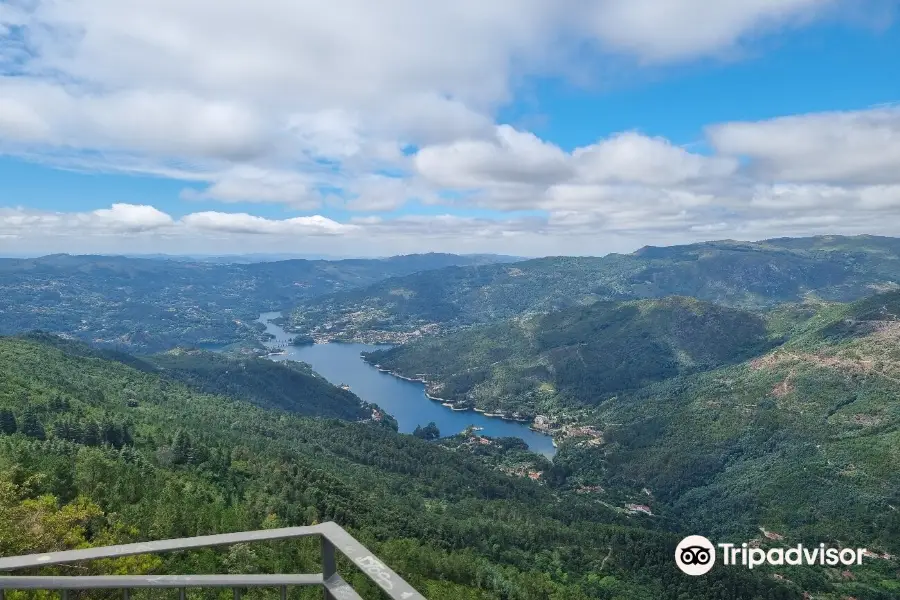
pixel 94 452
pixel 739 274
pixel 785 420
pixel 731 389
pixel 579 356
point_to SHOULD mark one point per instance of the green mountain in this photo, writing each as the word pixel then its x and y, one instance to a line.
pixel 578 357
pixel 729 421
pixel 733 273
pixel 288 385
pixel 150 305
pixel 802 439
pixel 93 451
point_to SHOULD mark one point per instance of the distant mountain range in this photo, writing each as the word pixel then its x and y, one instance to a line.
pixel 152 304
pixel 738 274
pixel 276 257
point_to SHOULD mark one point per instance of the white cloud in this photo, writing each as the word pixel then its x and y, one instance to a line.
pixel 838 147
pixel 516 157
pixel 129 218
pixel 666 31
pixel 20 122
pixel 513 156
pixel 634 158
pixel 157 123
pixel 586 220
pixel 222 79
pixel 366 106
pixel 329 134
pixel 518 171
pixel 250 224
pixel 118 219
pixel 383 193
pixel 254 184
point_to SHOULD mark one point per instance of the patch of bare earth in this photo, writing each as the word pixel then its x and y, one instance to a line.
pixel 866 420
pixel 784 388
pixel 856 365
pixel 765 362
pixel 886 330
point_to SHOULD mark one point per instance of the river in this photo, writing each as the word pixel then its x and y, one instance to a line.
pixel 405 400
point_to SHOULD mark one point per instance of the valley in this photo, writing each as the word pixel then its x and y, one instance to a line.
pixel 405 400
pixel 528 435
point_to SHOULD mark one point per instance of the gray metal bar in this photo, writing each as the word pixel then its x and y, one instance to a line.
pixel 340 589
pixel 204 541
pixel 85 582
pixel 329 566
pixel 376 570
pixel 283 593
pixel 181 594
pixel 333 537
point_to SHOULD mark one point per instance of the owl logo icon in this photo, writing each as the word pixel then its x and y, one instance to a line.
pixel 695 555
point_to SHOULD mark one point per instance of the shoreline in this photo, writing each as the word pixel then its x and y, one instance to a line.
pixel 380 368
pixel 451 406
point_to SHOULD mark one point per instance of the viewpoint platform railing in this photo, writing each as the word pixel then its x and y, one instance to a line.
pixel 334 587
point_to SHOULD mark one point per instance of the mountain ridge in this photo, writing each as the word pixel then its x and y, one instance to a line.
pixel 743 274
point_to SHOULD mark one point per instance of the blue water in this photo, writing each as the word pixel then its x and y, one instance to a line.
pixel 405 400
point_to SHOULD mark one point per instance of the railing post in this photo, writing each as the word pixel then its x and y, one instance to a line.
pixel 329 567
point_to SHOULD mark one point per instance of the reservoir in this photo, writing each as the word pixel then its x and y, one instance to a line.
pixel 405 400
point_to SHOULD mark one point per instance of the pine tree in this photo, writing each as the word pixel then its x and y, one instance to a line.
pixel 67 428
pixel 110 433
pixel 31 425
pixel 8 424
pixel 181 448
pixel 58 404
pixel 90 435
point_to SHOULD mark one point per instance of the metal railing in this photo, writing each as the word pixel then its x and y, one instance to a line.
pixel 334 587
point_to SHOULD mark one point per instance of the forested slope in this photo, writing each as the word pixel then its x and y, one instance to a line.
pixel 95 452
pixel 285 385
pixel 739 274
pixel 726 420
pixel 578 357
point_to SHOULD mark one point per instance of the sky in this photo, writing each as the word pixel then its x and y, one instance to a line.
pixel 525 127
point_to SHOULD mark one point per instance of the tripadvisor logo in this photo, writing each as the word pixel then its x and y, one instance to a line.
pixel 696 555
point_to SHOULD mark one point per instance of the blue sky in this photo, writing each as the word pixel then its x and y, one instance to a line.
pixel 519 128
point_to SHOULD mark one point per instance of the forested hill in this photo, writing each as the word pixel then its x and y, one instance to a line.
pixel 288 385
pixel 96 452
pixel 733 273
pixel 802 440
pixel 795 430
pixel 578 357
pixel 150 304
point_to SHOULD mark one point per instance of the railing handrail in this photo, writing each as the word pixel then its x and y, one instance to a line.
pixel 333 537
